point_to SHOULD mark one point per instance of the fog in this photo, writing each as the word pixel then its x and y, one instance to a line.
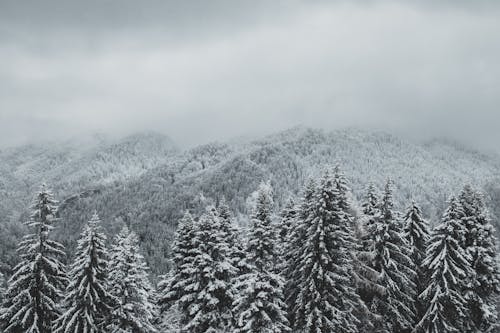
pixel 211 70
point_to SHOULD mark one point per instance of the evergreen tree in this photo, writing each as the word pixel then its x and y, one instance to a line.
pixel 211 279
pixel 327 299
pixel 88 302
pixel 416 231
pixel 261 246
pixel 293 249
pixel 173 288
pixel 284 231
pixel 391 259
pixel 130 285
pixel 259 306
pixel 370 205
pixel 31 302
pixel 232 234
pixel 447 266
pixel 480 243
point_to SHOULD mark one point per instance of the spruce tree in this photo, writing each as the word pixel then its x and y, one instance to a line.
pixel 447 266
pixel 416 232
pixel 391 259
pixel 173 288
pixel 130 285
pixel 480 243
pixel 260 306
pixel 284 231
pixel 370 204
pixel 211 279
pixel 88 302
pixel 327 299
pixel 293 249
pixel 31 301
pixel 232 234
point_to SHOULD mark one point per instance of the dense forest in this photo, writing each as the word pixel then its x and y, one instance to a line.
pixel 328 263
pixel 147 181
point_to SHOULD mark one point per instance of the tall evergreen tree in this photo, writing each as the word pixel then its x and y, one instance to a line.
pixel 480 243
pixel 293 248
pixel 88 302
pixel 232 234
pixel 391 259
pixel 260 306
pixel 130 285
pixel 211 279
pixel 370 204
pixel 284 231
pixel 416 232
pixel 173 288
pixel 327 299
pixel 447 266
pixel 35 289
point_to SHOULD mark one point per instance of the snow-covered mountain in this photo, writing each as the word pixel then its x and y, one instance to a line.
pixel 145 181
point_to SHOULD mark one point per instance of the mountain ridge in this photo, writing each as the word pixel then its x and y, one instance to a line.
pixel 145 181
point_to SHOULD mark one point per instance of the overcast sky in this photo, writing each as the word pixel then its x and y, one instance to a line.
pixel 204 70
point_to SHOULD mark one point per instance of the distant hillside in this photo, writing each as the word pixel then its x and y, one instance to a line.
pixel 146 182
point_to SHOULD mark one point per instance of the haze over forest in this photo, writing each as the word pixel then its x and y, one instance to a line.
pixel 200 71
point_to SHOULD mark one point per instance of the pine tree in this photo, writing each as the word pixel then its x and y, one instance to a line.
pixel 370 205
pixel 88 302
pixel 447 266
pixel 130 285
pixel 367 278
pixel 31 302
pixel 284 231
pixel 293 248
pixel 232 234
pixel 416 232
pixel 391 259
pixel 260 306
pixel 173 288
pixel 480 243
pixel 327 299
pixel 211 279
pixel 261 246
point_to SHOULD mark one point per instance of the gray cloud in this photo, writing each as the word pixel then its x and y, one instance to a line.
pixel 205 70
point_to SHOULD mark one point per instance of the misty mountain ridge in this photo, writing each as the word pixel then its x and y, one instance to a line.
pixel 147 181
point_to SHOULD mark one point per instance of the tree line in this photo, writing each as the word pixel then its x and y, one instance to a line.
pixel 326 266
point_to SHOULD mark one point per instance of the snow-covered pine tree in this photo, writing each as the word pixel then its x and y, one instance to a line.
pixel 370 204
pixel 31 302
pixel 211 279
pixel 447 266
pixel 480 243
pixel 327 298
pixel 416 231
pixel 260 306
pixel 173 287
pixel 88 303
pixel 293 248
pixel 261 246
pixel 237 252
pixel 391 259
pixel 367 278
pixel 130 286
pixel 284 230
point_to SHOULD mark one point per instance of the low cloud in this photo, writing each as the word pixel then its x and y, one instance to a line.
pixel 204 72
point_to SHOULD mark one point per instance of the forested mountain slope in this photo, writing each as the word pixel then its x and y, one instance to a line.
pixel 146 182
